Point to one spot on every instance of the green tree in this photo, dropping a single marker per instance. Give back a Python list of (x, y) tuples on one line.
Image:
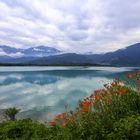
[(11, 112)]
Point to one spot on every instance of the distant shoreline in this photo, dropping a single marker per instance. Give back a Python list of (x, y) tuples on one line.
[(56, 65)]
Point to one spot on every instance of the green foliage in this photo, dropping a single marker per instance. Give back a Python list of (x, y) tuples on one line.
[(127, 128), (21, 130), (28, 130)]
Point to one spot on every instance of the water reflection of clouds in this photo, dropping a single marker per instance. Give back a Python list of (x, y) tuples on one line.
[(51, 76), (4, 78), (34, 78), (112, 69), (27, 95)]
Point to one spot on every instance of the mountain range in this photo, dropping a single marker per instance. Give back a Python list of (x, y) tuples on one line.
[(44, 55), (13, 55), (39, 51)]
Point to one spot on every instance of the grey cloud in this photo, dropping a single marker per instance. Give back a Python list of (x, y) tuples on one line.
[(72, 26)]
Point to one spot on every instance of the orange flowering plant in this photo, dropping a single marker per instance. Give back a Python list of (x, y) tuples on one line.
[(96, 115), (105, 105)]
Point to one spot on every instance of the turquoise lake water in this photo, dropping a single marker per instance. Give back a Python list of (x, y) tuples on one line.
[(43, 92)]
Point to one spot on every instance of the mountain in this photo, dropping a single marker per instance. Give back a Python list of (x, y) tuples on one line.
[(42, 55), (130, 56), (13, 55), (40, 51), (8, 50), (64, 59)]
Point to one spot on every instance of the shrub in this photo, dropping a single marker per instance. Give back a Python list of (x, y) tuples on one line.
[(11, 112), (127, 128), (22, 130)]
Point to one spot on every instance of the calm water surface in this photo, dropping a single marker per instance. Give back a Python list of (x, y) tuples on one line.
[(42, 92)]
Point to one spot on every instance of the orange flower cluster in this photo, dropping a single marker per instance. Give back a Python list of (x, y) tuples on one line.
[(122, 91), (135, 76), (85, 105), (130, 75), (97, 97), (138, 81), (99, 91), (53, 123), (60, 118)]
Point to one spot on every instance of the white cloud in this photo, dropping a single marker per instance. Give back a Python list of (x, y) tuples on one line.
[(2, 53), (18, 54), (69, 25)]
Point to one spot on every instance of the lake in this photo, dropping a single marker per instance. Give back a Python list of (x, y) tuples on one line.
[(43, 92)]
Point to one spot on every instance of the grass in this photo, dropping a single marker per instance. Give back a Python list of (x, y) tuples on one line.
[(112, 113)]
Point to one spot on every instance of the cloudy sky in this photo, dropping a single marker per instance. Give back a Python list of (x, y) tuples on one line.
[(70, 25)]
